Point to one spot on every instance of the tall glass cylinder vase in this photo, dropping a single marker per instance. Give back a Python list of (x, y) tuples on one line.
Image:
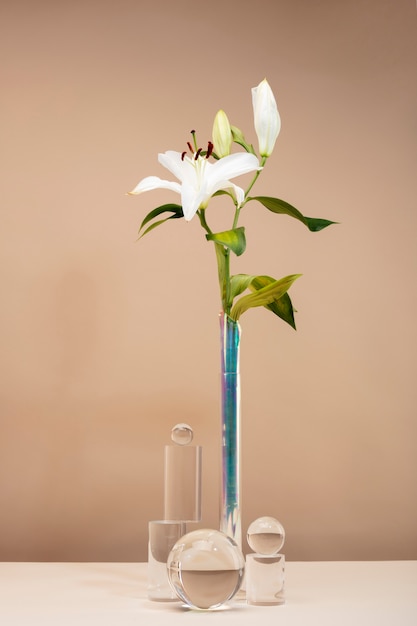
[(230, 502)]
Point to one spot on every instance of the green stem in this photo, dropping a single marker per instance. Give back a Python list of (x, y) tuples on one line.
[(237, 213), (222, 253), (227, 305), (255, 178), (202, 217)]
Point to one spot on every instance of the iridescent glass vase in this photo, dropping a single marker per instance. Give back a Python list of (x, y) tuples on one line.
[(230, 498)]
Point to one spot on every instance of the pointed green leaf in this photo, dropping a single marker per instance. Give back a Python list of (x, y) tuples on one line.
[(154, 225), (239, 283), (264, 296), (175, 209), (234, 239), (280, 206), (317, 223), (282, 307)]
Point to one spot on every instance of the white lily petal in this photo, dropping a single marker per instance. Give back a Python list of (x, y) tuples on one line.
[(191, 201), (220, 184), (173, 162), (231, 166), (154, 182), (239, 193), (192, 171)]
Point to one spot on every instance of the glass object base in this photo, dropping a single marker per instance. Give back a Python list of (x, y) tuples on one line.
[(265, 579), (162, 536)]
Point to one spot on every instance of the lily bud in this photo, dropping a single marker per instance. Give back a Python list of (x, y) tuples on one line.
[(266, 117), (222, 134)]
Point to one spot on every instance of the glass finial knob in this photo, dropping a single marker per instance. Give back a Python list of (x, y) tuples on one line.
[(182, 434)]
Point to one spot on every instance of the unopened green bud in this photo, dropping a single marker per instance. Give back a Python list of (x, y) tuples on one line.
[(238, 137)]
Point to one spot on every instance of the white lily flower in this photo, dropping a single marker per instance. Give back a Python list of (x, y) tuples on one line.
[(266, 117), (199, 178)]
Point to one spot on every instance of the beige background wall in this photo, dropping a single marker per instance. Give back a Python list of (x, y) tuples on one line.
[(107, 343)]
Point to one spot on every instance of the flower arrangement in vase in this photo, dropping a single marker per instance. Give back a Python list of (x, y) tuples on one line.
[(203, 173)]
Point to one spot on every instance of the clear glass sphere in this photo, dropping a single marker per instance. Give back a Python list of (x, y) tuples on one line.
[(266, 535), (182, 434), (205, 568)]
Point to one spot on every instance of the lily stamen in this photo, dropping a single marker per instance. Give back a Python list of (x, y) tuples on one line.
[(194, 141)]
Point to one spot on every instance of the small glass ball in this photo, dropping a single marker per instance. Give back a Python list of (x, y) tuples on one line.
[(266, 535), (205, 568), (182, 434)]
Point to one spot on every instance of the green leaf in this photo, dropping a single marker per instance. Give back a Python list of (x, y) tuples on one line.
[(239, 283), (264, 296), (175, 209), (282, 307), (280, 206), (234, 239)]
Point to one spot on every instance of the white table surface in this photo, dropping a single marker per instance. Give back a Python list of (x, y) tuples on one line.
[(102, 594)]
